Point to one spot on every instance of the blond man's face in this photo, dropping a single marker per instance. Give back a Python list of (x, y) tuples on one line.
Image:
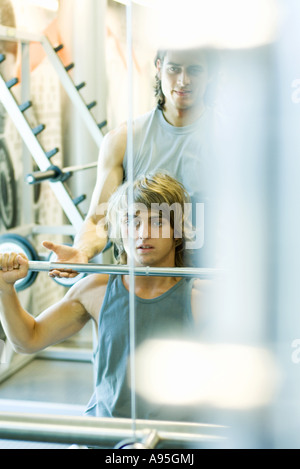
[(153, 238)]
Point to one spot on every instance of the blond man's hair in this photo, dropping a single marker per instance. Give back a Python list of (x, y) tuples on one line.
[(152, 190)]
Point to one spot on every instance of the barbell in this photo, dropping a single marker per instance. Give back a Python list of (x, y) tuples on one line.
[(11, 242), (55, 174), (46, 266)]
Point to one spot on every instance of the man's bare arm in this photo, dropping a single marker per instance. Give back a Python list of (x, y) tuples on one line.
[(92, 237), (26, 333)]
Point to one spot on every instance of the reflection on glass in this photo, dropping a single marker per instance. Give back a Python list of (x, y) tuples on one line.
[(208, 130), (198, 374), (229, 24), (198, 191), (174, 138)]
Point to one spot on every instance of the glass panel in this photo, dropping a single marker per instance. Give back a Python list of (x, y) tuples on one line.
[(202, 353), (210, 95)]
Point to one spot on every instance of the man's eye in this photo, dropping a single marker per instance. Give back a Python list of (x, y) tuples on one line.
[(195, 70), (174, 69), (157, 223), (131, 221)]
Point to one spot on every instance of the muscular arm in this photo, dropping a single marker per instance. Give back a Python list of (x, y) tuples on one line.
[(92, 237), (30, 335), (58, 322)]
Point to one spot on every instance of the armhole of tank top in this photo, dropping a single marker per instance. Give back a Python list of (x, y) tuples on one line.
[(136, 147), (105, 299), (138, 137)]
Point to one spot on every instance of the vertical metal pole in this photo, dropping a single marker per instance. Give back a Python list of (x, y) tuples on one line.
[(27, 190), (130, 205)]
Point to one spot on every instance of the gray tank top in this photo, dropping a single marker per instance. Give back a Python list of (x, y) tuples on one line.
[(167, 316), (184, 152)]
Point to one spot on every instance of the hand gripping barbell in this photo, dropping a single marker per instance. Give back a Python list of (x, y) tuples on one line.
[(11, 242), (16, 243)]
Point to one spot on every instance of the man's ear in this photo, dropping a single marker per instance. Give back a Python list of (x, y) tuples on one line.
[(158, 68)]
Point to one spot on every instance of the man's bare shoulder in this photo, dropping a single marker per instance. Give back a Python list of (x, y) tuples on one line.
[(90, 292), (119, 131), (88, 284), (115, 141)]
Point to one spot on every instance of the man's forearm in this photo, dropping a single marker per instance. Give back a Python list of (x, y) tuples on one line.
[(92, 238), (17, 323)]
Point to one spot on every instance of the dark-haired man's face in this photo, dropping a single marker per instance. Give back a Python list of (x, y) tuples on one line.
[(184, 79)]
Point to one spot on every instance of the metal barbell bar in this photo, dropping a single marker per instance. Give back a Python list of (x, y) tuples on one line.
[(97, 431), (204, 273), (55, 174)]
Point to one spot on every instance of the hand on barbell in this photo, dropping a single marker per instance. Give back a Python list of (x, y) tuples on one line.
[(65, 254), (13, 267)]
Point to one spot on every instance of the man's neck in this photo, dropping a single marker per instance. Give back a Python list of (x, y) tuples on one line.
[(182, 117), (151, 286)]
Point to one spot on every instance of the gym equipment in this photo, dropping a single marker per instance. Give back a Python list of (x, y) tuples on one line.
[(31, 141), (95, 431), (16, 111), (42, 266), (13, 35), (150, 441), (55, 174), (8, 199), (19, 244), (12, 82), (37, 189)]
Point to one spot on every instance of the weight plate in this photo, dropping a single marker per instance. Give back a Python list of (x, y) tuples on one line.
[(19, 244), (65, 282), (8, 196)]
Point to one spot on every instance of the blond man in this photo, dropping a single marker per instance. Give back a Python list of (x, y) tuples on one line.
[(165, 306)]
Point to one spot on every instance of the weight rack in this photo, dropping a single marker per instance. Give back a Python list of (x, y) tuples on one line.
[(31, 145), (29, 136)]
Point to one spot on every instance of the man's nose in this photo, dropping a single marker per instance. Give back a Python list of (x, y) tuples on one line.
[(143, 230), (183, 77)]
